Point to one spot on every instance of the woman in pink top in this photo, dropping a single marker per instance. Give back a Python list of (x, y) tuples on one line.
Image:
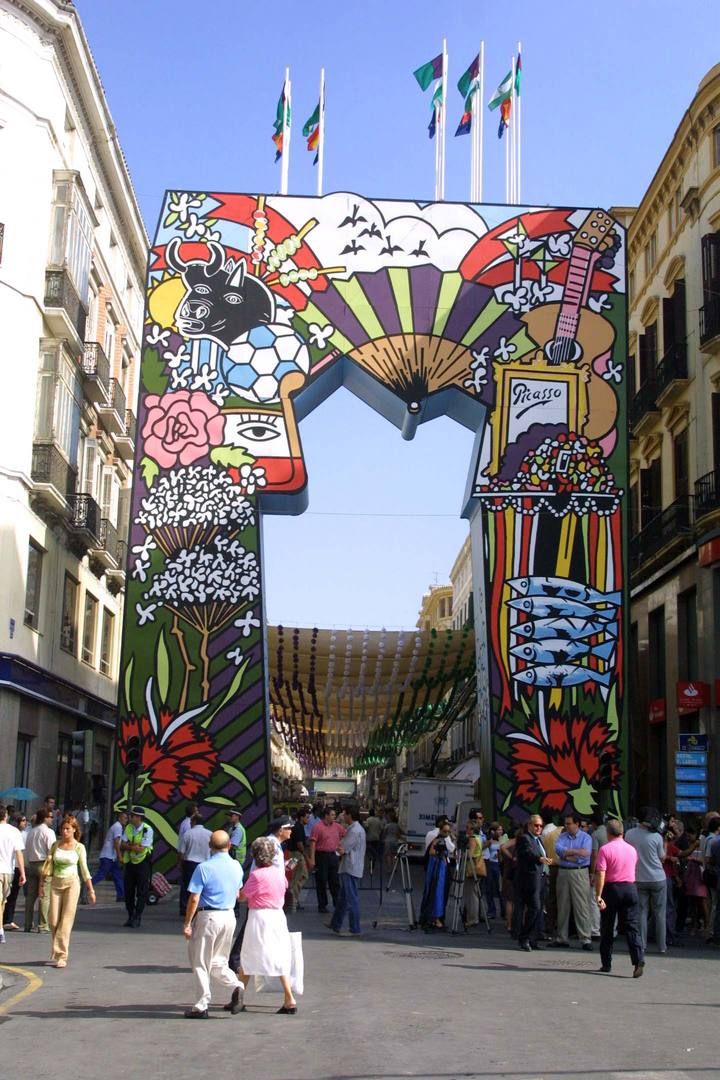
[(266, 944)]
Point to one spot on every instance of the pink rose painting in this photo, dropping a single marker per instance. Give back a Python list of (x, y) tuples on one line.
[(181, 427)]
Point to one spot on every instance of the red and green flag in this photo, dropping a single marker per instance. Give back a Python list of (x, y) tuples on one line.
[(505, 110), (311, 131), (427, 72), (503, 92)]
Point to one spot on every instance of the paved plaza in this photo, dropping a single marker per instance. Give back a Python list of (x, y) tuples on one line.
[(389, 1004)]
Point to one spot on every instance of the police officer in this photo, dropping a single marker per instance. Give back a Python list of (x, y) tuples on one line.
[(135, 850), (237, 834)]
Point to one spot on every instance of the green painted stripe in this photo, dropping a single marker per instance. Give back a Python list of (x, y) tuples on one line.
[(400, 282), (524, 343), (355, 298), (312, 314), (487, 317), (449, 288)]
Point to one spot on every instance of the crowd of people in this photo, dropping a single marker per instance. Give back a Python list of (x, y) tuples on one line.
[(549, 881)]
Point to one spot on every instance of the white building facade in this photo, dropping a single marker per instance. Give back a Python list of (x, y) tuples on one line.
[(72, 267)]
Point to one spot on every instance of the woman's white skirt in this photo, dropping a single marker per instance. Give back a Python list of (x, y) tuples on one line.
[(266, 944)]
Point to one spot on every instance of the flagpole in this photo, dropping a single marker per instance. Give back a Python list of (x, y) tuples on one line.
[(508, 197), (481, 111), (511, 135), (285, 163), (321, 134), (443, 125), (519, 129)]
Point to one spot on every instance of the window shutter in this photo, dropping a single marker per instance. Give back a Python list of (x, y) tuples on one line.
[(88, 480), (668, 315), (679, 311)]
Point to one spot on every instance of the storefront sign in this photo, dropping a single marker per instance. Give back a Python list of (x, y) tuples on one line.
[(696, 773), (657, 711), (691, 806), (692, 696), (696, 791), (692, 757), (692, 741)]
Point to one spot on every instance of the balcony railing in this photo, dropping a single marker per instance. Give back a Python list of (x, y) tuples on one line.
[(672, 367), (675, 523), (707, 493), (643, 402), (130, 425), (710, 319), (96, 368), (108, 538), (60, 293), (113, 412), (84, 514), (50, 467)]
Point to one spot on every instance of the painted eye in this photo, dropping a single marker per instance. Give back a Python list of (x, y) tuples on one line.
[(202, 290), (258, 432), (233, 298)]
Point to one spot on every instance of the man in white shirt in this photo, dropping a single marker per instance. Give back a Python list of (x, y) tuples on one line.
[(11, 855), (352, 866), (193, 848), (38, 842), (109, 865), (190, 810)]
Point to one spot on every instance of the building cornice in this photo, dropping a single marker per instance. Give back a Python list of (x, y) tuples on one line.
[(58, 22)]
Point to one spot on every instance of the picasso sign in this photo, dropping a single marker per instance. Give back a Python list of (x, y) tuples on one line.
[(509, 320)]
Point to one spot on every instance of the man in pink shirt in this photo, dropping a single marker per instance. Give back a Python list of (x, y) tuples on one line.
[(616, 895), (324, 844)]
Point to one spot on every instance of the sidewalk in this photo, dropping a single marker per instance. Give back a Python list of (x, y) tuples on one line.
[(387, 1005)]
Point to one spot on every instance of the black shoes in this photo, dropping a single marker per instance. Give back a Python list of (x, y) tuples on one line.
[(525, 946), (605, 969), (129, 921), (537, 945), (560, 945), (136, 922), (587, 947), (195, 1014), (288, 1010), (638, 970)]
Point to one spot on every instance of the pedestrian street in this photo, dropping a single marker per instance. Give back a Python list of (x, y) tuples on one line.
[(389, 1003)]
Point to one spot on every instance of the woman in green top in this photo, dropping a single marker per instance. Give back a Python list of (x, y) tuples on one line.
[(65, 865)]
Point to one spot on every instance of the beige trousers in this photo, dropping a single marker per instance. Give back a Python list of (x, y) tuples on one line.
[(32, 870), (572, 891), (300, 876), (5, 885), (209, 950), (64, 894)]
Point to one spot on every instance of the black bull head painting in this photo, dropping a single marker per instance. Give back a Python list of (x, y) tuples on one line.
[(222, 302)]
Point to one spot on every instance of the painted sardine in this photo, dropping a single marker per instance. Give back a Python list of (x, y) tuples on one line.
[(560, 651), (547, 606), (567, 629), (558, 675), (563, 587)]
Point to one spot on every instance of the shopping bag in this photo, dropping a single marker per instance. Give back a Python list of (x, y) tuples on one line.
[(297, 964)]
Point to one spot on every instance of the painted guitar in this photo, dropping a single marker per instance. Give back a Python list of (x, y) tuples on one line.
[(570, 333)]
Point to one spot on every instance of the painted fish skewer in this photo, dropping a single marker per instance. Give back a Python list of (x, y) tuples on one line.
[(560, 651), (566, 629), (559, 675), (548, 606)]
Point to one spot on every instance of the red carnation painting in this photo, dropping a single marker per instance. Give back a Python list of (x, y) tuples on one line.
[(176, 756), (562, 764)]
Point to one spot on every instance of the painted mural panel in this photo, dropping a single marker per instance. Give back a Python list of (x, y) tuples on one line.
[(511, 321)]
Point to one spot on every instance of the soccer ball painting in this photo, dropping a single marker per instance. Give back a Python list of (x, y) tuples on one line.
[(258, 360)]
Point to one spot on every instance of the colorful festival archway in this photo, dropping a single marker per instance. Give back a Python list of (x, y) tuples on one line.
[(509, 320)]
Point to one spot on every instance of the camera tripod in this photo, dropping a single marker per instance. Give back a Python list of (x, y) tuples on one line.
[(401, 860), (457, 889)]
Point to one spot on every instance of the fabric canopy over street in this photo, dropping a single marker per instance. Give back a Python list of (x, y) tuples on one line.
[(355, 698), (468, 771)]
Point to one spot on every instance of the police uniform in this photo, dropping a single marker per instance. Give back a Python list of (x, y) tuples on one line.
[(138, 868), (238, 837)]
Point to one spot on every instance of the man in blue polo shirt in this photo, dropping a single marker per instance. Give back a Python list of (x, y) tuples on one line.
[(573, 849), (210, 924)]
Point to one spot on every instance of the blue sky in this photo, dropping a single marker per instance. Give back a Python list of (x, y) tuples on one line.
[(193, 90)]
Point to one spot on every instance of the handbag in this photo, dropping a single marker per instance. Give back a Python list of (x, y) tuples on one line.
[(47, 867)]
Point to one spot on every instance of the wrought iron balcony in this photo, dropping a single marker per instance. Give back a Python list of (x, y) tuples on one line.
[(673, 368), (669, 530), (116, 573), (113, 412), (85, 518), (64, 309), (106, 551), (53, 476), (644, 402), (707, 493), (710, 320), (125, 441), (96, 372)]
